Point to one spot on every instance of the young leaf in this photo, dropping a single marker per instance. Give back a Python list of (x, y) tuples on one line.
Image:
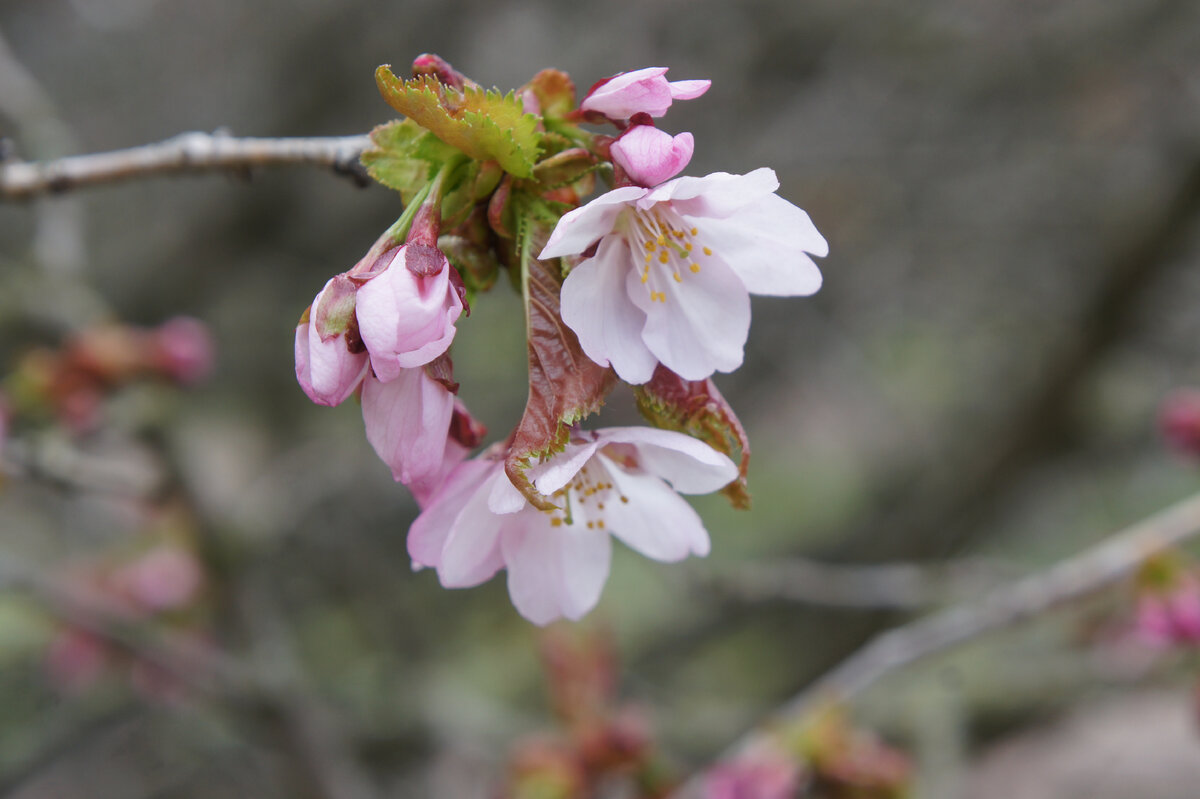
[(696, 407), (486, 125), (564, 384), (405, 156)]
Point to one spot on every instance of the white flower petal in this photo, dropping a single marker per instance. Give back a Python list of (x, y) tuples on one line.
[(690, 465), (504, 497), (580, 228), (764, 244), (655, 521), (555, 571), (716, 195), (596, 306), (472, 552), (427, 535), (696, 322), (560, 469)]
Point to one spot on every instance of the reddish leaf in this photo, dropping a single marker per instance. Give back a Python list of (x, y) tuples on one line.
[(564, 384), (696, 407)]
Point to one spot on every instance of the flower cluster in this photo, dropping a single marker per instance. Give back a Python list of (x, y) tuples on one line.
[(647, 283)]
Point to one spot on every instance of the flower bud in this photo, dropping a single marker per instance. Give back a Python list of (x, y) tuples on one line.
[(650, 156), (1179, 419), (330, 358), (182, 348), (643, 91)]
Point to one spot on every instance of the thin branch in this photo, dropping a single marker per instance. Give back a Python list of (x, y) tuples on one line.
[(902, 586), (1078, 577), (187, 153)]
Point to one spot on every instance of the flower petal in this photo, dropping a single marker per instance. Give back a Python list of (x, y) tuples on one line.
[(696, 321), (582, 227), (427, 535), (688, 464), (554, 571), (628, 93), (655, 521), (472, 552), (650, 156), (560, 469), (407, 422), (688, 89), (765, 244), (596, 305), (327, 370), (717, 195)]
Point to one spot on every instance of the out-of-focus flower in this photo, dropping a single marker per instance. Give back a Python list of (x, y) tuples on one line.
[(1179, 419), (650, 156), (331, 360), (612, 481), (76, 659), (1169, 615), (642, 91), (182, 348), (407, 308), (674, 267), (761, 775), (164, 578)]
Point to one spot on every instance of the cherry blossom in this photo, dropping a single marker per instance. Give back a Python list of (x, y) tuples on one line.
[(408, 421), (330, 358), (673, 269), (608, 482), (407, 308), (650, 156), (1170, 615), (642, 91)]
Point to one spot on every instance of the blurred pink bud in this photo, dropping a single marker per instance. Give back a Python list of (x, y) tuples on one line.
[(330, 357), (651, 156), (407, 309), (642, 91), (1170, 616), (165, 578), (182, 347), (1179, 419), (766, 775), (75, 660)]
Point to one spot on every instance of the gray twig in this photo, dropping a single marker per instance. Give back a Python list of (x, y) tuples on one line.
[(183, 154)]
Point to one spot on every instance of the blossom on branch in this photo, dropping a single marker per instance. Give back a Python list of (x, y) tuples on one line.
[(330, 357), (674, 267), (650, 156), (612, 481), (642, 91)]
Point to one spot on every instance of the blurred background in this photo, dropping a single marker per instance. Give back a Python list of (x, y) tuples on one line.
[(1010, 194)]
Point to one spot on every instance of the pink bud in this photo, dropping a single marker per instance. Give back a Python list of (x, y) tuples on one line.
[(1170, 615), (406, 311), (183, 348), (643, 91), (758, 776), (407, 421), (330, 357), (1179, 419), (75, 660), (651, 156), (165, 578)]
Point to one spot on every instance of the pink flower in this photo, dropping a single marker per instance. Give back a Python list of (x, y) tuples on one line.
[(183, 348), (165, 578), (407, 308), (768, 775), (1170, 615), (611, 481), (643, 91), (408, 421), (1179, 419), (674, 267), (651, 156), (330, 357)]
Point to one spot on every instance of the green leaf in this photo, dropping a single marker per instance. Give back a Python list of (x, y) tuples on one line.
[(564, 384), (696, 407), (486, 125), (405, 156)]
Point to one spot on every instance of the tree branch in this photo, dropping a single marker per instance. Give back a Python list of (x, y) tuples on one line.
[(1077, 577), (187, 153)]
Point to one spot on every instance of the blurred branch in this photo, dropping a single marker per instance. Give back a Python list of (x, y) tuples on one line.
[(58, 463), (887, 586), (187, 153), (1072, 579)]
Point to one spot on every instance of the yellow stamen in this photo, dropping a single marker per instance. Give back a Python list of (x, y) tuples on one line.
[(695, 267), (707, 251)]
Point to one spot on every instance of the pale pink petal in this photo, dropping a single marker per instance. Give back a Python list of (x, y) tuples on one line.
[(426, 488), (650, 156), (327, 370), (700, 320), (584, 226), (595, 304), (717, 195), (405, 320), (628, 93), (504, 497), (472, 554), (765, 244), (560, 469), (427, 535), (688, 89), (690, 465), (555, 571), (407, 422), (655, 521)]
